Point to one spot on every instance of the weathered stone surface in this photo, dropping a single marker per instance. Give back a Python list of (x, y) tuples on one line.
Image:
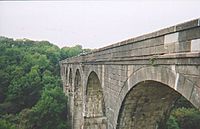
[(183, 46), (171, 38), (193, 33), (132, 84), (195, 45), (95, 123), (195, 97), (188, 25)]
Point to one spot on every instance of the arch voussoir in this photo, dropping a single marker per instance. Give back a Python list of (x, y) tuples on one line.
[(163, 76)]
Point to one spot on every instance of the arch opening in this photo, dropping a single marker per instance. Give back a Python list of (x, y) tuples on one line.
[(70, 80), (66, 74), (147, 106), (78, 101), (95, 108), (66, 79)]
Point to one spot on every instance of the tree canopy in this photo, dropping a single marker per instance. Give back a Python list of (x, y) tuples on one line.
[(30, 85)]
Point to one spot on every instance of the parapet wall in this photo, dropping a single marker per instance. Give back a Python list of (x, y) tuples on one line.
[(180, 40)]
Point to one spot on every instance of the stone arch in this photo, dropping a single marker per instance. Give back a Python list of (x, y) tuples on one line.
[(146, 106), (94, 104), (94, 97), (78, 101), (152, 89)]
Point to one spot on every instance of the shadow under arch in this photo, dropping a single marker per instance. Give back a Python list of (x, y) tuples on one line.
[(66, 86), (94, 106), (147, 97), (66, 74), (70, 78), (78, 101)]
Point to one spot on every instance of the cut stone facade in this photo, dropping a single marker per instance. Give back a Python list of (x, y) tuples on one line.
[(134, 83)]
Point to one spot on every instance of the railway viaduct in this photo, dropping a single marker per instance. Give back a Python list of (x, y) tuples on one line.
[(133, 84)]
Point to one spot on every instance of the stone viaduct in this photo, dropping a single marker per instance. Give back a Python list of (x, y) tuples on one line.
[(133, 84)]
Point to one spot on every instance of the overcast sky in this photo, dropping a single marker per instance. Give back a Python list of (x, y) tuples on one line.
[(91, 24)]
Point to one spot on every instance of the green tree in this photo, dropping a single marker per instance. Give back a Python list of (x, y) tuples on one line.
[(30, 84), (49, 113), (172, 123), (187, 118), (6, 124), (67, 52)]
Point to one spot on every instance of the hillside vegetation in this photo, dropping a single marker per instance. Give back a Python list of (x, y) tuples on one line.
[(31, 94)]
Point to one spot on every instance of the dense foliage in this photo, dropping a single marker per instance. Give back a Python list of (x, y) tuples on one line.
[(31, 96), (184, 116)]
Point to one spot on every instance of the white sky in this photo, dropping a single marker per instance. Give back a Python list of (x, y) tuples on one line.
[(91, 24)]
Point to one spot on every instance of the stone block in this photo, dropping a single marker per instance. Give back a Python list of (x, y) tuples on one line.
[(187, 69), (170, 41), (187, 25), (195, 97), (160, 49), (171, 47), (184, 87), (195, 45), (190, 34), (183, 46), (171, 38)]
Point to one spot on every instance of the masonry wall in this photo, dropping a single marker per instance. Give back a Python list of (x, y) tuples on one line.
[(171, 56)]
